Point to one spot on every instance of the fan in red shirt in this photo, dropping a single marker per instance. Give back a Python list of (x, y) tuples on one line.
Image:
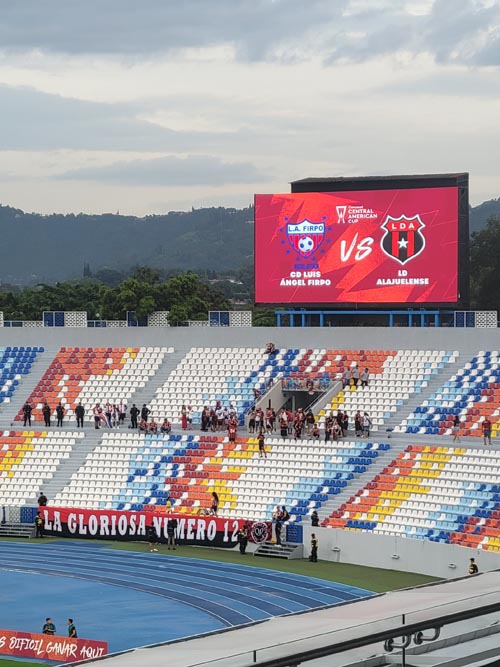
[(486, 426), (232, 429)]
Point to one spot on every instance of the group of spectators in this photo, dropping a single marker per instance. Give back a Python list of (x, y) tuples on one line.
[(218, 418), (337, 425), (153, 539), (354, 375), (286, 421), (260, 420), (47, 413), (303, 423), (145, 425), (108, 415), (105, 415), (49, 628)]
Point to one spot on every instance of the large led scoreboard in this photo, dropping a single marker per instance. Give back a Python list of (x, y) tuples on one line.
[(371, 241)]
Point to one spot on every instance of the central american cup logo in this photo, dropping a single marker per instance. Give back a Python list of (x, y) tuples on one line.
[(403, 239), (305, 237), (341, 211)]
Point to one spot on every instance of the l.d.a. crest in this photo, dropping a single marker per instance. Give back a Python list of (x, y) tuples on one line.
[(403, 239)]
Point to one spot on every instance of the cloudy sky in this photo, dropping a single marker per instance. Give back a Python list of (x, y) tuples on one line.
[(149, 107)]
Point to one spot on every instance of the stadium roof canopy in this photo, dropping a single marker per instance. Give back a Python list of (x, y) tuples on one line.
[(348, 183)]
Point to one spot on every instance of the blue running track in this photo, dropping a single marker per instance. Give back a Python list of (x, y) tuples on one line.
[(133, 599)]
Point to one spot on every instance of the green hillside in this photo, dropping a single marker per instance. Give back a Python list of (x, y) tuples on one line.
[(56, 247)]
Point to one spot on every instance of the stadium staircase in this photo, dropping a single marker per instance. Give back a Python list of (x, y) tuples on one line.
[(434, 383), (285, 551), (359, 481), (27, 384), (147, 393), (66, 468), (17, 530), (325, 398)]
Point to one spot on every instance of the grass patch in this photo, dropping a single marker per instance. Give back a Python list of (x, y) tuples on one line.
[(32, 540), (21, 663)]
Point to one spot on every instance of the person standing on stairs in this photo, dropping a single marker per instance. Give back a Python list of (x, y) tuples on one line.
[(184, 423), (46, 412), (261, 445), (486, 428), (134, 413), (456, 429), (27, 409), (59, 414), (80, 413), (355, 375), (278, 524), (122, 409)]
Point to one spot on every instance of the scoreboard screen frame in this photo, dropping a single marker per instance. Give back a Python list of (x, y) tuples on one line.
[(310, 232)]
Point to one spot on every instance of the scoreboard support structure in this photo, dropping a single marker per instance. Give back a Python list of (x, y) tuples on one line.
[(424, 317), (410, 318)]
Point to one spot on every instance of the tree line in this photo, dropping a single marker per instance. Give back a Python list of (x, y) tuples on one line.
[(485, 267), (185, 296), (109, 294)]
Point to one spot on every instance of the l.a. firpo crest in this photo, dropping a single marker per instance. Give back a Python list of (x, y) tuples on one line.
[(403, 239), (305, 237), (259, 531)]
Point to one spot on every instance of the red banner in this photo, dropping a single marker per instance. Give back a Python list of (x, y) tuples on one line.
[(373, 246), (49, 647), (120, 525)]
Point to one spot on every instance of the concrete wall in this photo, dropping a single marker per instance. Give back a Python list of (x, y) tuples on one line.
[(465, 340), (422, 556)]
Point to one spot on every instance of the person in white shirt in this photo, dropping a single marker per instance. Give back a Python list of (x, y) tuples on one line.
[(367, 422), (220, 418), (122, 408)]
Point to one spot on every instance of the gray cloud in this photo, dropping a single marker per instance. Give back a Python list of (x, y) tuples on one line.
[(453, 31), (255, 27), (456, 83), (170, 171), (489, 56), (33, 120)]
